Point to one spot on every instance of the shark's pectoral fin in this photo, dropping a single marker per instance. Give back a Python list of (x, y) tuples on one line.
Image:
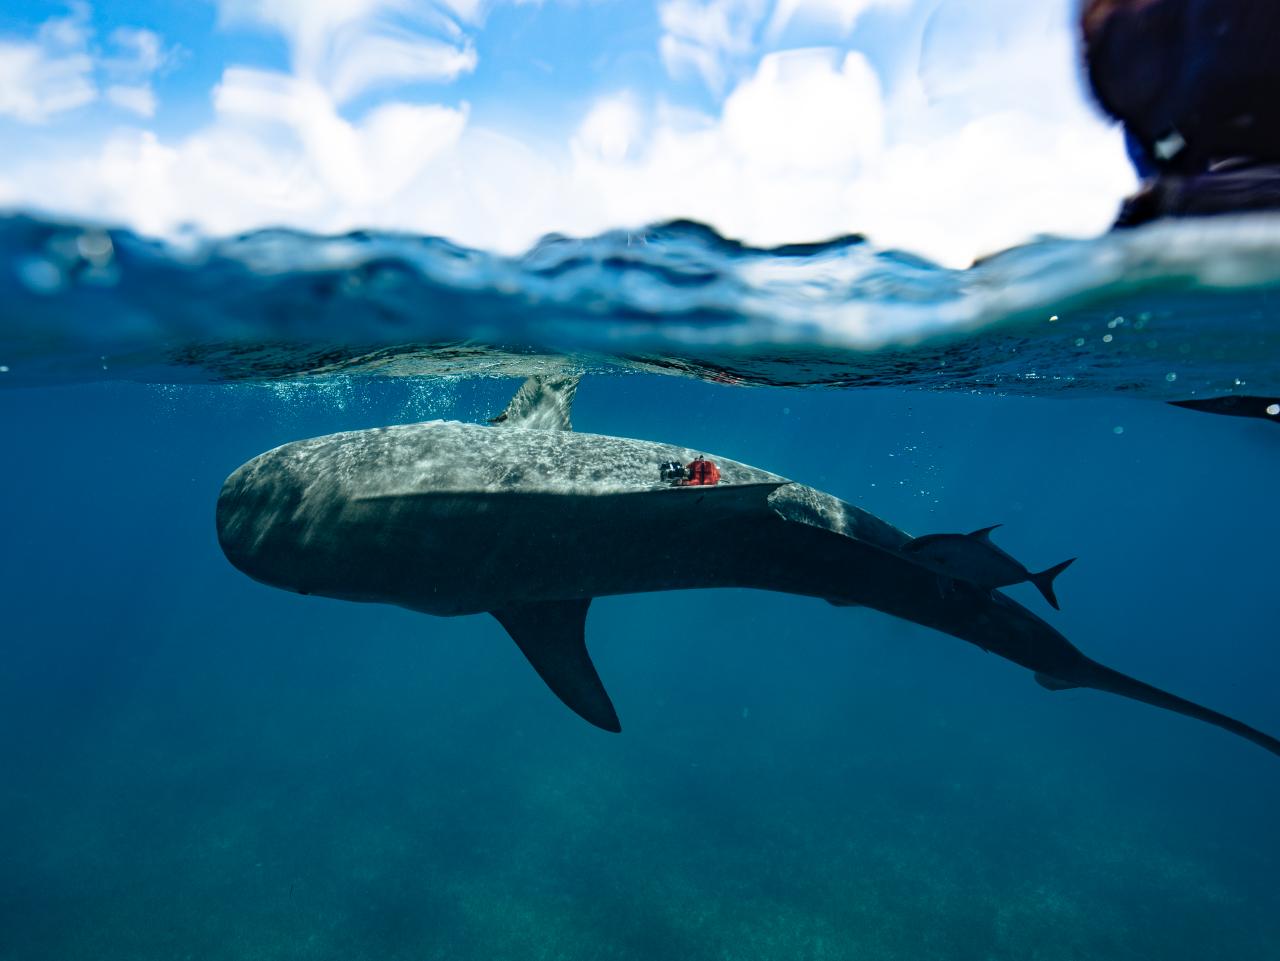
[(552, 635), (1050, 683)]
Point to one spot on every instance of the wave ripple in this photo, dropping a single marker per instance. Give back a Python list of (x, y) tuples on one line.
[(1174, 310)]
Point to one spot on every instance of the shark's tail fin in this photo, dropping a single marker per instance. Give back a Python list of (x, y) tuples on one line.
[(1105, 679), (1044, 581)]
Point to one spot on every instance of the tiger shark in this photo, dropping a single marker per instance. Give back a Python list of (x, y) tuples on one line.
[(529, 521)]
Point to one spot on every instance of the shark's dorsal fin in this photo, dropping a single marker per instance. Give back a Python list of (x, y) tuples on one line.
[(552, 635), (543, 402), (985, 533)]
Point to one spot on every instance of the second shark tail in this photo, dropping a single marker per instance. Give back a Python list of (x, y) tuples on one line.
[(1103, 678)]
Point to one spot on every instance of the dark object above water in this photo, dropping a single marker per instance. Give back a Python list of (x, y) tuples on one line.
[(1233, 405), (1236, 187), (1193, 81)]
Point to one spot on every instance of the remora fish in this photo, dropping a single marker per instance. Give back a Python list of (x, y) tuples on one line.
[(976, 559), (531, 524)]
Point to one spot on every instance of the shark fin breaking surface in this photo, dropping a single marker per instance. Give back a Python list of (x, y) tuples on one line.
[(552, 635), (543, 402)]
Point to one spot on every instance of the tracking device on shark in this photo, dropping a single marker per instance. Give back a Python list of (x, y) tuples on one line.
[(529, 521)]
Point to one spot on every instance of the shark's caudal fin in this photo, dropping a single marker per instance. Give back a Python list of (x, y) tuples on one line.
[(1044, 581), (552, 635), (1103, 678), (542, 402)]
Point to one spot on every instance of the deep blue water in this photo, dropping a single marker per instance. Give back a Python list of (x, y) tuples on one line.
[(196, 766)]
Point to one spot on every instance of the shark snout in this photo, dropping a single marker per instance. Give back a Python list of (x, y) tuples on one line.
[(253, 519)]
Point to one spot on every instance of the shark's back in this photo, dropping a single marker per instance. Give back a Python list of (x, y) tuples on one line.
[(436, 458), (444, 456)]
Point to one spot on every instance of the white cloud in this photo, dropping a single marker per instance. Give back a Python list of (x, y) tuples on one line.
[(51, 74), (349, 47), (976, 147), (805, 111), (58, 70), (718, 40), (610, 130), (841, 14), (382, 60), (770, 168), (358, 163), (138, 56), (706, 36), (139, 99), (142, 53), (70, 32), (809, 146)]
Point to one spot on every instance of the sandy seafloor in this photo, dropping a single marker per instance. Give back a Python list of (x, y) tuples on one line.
[(199, 767)]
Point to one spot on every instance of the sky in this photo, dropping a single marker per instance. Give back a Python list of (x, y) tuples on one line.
[(950, 128)]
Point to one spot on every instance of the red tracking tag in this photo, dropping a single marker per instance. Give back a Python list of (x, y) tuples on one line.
[(702, 473)]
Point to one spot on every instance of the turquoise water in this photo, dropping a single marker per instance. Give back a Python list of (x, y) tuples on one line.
[(198, 766)]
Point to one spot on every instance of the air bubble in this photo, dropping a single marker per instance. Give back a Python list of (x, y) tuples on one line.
[(95, 247), (1117, 429), (1171, 377), (1107, 338), (1273, 410), (1079, 341), (41, 276)]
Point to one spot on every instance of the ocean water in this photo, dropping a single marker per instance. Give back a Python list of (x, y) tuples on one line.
[(196, 766)]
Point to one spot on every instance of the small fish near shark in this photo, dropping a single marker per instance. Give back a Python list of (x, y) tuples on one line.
[(975, 558), (529, 521)]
